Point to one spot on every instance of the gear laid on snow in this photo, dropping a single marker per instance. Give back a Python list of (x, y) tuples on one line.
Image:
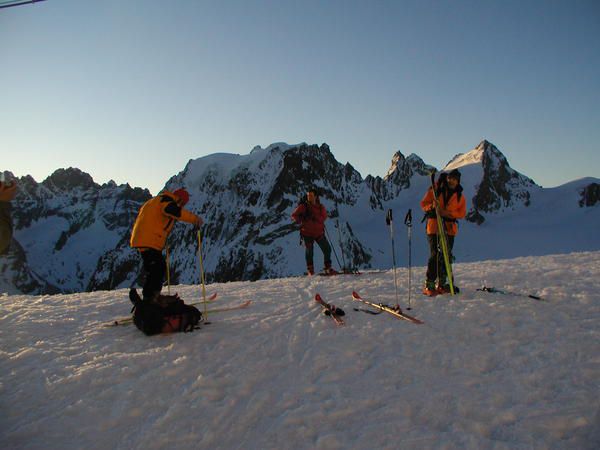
[(165, 314)]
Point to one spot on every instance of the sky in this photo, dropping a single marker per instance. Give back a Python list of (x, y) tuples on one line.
[(130, 90)]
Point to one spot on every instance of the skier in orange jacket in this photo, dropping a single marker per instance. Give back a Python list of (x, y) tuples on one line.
[(452, 207), (154, 222)]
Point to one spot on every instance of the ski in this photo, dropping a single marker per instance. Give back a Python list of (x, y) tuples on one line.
[(230, 308), (128, 320), (209, 299), (325, 274), (331, 310), (493, 290), (394, 311), (442, 236)]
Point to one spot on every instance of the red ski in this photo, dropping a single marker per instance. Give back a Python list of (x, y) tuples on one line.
[(394, 311), (330, 310)]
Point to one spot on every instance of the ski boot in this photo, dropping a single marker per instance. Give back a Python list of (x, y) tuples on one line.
[(329, 271), (429, 289), (444, 288), (310, 270)]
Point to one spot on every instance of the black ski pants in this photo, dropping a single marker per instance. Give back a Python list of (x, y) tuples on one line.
[(435, 266), (155, 269), (323, 244)]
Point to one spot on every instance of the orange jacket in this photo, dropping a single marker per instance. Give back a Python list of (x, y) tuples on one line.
[(452, 209), (7, 191), (155, 221)]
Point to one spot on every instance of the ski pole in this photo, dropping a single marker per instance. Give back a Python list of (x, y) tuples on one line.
[(441, 231), (168, 273), (341, 247), (331, 245), (390, 223), (408, 223), (337, 221), (202, 275)]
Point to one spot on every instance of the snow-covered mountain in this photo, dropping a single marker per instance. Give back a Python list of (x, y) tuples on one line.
[(72, 234), (490, 183)]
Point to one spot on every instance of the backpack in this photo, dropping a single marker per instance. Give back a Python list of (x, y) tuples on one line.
[(169, 315)]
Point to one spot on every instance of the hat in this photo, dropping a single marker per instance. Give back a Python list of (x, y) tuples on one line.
[(183, 195), (454, 174)]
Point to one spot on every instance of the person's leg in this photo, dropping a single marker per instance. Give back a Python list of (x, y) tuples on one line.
[(155, 268), (326, 249), (432, 263), (442, 264), (309, 254)]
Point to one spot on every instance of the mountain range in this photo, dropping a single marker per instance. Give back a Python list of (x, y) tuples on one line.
[(72, 234)]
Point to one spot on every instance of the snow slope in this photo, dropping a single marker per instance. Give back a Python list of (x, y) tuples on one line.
[(485, 371)]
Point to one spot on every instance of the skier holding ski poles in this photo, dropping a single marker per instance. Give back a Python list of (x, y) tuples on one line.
[(311, 215), (154, 223), (452, 206)]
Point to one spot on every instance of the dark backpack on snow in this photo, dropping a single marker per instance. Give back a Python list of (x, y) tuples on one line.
[(169, 317)]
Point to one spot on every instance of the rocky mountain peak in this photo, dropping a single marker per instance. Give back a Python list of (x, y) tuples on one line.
[(499, 186), (69, 179)]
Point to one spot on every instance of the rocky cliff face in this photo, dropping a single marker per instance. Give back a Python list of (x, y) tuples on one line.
[(398, 177), (71, 234), (247, 201), (499, 186), (590, 195)]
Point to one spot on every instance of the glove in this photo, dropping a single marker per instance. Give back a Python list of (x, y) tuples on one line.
[(198, 222), (430, 214)]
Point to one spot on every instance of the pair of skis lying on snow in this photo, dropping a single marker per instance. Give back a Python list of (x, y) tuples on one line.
[(335, 313), (209, 300)]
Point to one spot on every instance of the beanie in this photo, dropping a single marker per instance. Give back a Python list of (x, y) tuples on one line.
[(454, 174), (183, 195)]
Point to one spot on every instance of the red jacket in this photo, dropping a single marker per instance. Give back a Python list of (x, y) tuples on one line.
[(312, 218)]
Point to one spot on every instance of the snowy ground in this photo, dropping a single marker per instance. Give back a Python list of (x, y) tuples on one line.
[(485, 371)]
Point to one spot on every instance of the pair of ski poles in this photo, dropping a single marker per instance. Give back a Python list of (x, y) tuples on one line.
[(202, 279), (408, 222)]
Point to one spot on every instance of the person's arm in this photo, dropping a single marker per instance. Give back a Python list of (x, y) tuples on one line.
[(298, 214), (173, 210), (7, 191)]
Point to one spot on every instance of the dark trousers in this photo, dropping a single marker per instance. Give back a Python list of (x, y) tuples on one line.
[(155, 268), (323, 243), (6, 230), (435, 266)]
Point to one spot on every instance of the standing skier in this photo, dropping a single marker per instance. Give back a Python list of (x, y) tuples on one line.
[(150, 231), (452, 206), (7, 193), (311, 215)]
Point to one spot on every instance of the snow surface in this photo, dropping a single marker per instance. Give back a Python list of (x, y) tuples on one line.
[(485, 371)]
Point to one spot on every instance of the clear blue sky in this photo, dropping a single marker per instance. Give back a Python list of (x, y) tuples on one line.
[(130, 90)]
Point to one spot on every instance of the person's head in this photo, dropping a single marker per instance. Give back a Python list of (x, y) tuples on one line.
[(182, 196), (454, 179), (311, 197)]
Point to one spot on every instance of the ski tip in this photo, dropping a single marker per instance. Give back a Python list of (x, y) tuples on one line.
[(213, 296), (318, 297), (355, 294)]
